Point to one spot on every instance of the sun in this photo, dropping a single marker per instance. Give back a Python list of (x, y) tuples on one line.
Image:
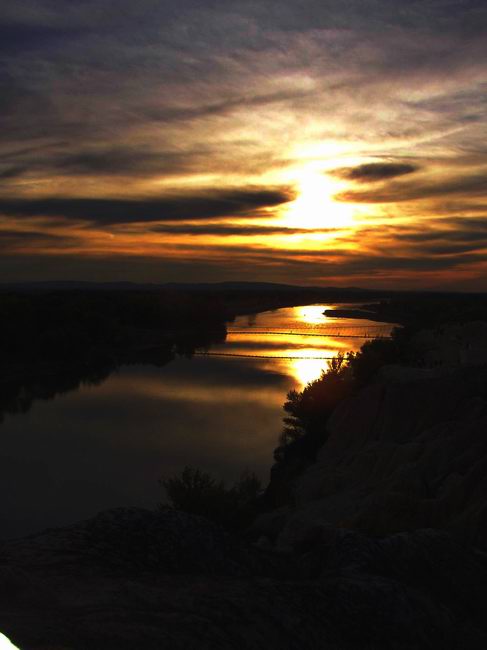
[(314, 208)]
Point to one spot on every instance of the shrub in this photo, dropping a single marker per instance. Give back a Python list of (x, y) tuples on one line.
[(309, 409), (198, 493)]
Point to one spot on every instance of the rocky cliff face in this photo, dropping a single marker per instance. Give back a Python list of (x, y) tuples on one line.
[(409, 451)]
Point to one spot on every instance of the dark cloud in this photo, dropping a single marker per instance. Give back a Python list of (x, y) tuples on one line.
[(467, 224), (25, 38), (356, 264), (137, 162), (11, 172), (450, 230), (175, 208), (460, 235), (474, 185), (372, 172), (227, 230), (219, 108), (114, 161), (454, 249), (11, 239), (370, 264)]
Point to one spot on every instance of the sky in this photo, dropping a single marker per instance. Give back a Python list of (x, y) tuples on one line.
[(317, 142)]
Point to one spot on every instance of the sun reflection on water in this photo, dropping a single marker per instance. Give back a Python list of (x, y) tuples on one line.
[(306, 370), (298, 342)]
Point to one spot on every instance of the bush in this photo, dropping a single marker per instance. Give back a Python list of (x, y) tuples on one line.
[(309, 409), (196, 492), (380, 352)]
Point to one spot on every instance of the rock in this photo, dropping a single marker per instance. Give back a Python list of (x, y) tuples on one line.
[(402, 454), (337, 589), (269, 524), (127, 540)]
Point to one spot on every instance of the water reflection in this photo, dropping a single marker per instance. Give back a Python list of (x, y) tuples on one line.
[(311, 314), (106, 444), (305, 370), (299, 341)]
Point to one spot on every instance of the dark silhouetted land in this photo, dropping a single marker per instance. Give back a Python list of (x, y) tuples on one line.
[(372, 532)]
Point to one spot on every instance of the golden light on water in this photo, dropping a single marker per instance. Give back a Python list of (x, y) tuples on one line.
[(298, 342), (306, 370), (311, 314)]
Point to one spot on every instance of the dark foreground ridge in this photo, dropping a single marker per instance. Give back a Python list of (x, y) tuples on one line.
[(136, 579)]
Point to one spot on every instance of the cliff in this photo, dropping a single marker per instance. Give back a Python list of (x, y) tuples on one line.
[(408, 451)]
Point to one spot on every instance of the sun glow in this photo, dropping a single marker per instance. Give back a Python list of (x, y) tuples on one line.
[(314, 207)]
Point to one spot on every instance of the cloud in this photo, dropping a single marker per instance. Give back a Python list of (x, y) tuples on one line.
[(97, 96), (118, 160), (31, 239), (454, 249), (229, 230), (11, 172), (453, 230), (372, 172), (243, 202), (219, 108), (239, 264), (447, 237), (395, 192)]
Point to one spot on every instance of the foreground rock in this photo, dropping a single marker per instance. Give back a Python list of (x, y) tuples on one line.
[(138, 580)]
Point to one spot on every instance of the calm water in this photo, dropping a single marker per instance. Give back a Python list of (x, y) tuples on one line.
[(108, 445)]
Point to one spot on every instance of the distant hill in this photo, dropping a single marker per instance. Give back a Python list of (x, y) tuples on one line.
[(70, 285), (325, 292), (255, 286), (74, 285)]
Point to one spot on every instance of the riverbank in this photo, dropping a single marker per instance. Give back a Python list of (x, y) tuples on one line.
[(365, 314)]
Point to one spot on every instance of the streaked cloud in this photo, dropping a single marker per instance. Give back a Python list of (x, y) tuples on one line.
[(171, 208), (372, 172), (395, 192)]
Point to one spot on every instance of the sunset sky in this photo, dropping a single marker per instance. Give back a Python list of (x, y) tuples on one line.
[(324, 142)]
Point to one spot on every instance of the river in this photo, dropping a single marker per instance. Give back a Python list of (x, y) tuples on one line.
[(107, 445)]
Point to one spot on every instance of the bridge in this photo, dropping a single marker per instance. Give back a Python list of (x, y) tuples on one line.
[(256, 356), (263, 332)]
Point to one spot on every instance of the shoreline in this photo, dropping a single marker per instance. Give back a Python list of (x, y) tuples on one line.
[(360, 314)]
